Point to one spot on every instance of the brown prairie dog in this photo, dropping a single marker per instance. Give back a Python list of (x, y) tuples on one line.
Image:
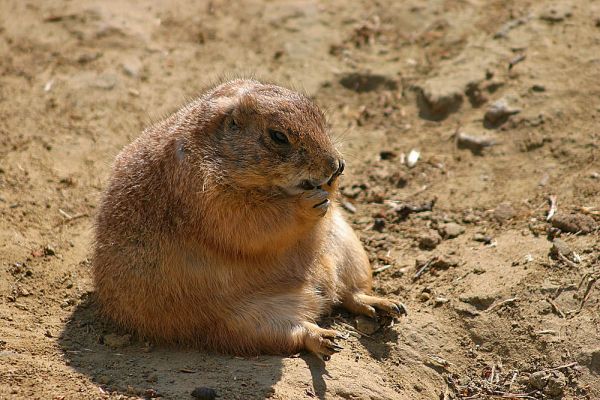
[(219, 228)]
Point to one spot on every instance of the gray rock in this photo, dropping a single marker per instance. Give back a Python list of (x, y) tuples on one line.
[(451, 230), (429, 240), (366, 325), (560, 247), (556, 384), (574, 223), (504, 212), (538, 380), (499, 111), (480, 301), (204, 393), (132, 67), (556, 13), (104, 81), (437, 99)]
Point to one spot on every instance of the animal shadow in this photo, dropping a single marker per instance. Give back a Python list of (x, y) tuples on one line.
[(121, 364)]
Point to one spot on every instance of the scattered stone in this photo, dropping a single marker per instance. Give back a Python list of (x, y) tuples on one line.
[(590, 358), (132, 67), (387, 155), (412, 158), (151, 394), (367, 82), (117, 341), (378, 224), (104, 81), (556, 13), (424, 296), (556, 384), (479, 237), (366, 325), (471, 218), (440, 301), (474, 143), (560, 247), (538, 380), (451, 230), (479, 301), (404, 210), (429, 240), (353, 191), (49, 251), (437, 99), (574, 223), (88, 57), (465, 309), (538, 88), (504, 212), (499, 111), (204, 393)]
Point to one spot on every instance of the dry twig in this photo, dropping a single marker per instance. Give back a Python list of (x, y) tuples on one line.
[(553, 200)]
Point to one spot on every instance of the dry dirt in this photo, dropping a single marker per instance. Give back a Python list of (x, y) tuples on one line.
[(491, 313)]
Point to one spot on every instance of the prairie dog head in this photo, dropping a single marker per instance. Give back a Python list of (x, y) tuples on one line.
[(268, 137)]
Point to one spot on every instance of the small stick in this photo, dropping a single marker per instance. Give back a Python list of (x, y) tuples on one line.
[(590, 285), (516, 60), (500, 304), (69, 218), (569, 365), (353, 329), (555, 308), (566, 260), (491, 379), (425, 267), (546, 332), (381, 269), (553, 206), (65, 214), (512, 380)]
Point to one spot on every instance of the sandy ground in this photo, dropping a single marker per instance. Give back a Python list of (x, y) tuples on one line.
[(501, 98)]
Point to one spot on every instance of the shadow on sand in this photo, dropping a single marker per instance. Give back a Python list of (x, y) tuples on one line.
[(133, 368)]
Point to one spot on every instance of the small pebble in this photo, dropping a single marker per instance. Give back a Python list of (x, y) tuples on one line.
[(429, 240), (412, 158), (378, 224), (204, 393), (478, 237), (574, 223), (451, 230), (366, 325), (49, 251), (556, 384), (538, 88), (499, 111), (560, 247), (538, 380), (387, 155)]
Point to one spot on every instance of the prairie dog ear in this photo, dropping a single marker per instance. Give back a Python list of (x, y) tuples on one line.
[(236, 109)]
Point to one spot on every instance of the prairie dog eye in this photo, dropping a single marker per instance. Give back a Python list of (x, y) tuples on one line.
[(278, 137), (233, 125)]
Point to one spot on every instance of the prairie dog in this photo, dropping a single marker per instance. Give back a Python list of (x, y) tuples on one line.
[(219, 228)]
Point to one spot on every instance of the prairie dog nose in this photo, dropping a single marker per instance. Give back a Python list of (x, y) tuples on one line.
[(309, 184), (338, 172)]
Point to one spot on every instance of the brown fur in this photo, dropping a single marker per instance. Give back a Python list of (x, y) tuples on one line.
[(204, 235)]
